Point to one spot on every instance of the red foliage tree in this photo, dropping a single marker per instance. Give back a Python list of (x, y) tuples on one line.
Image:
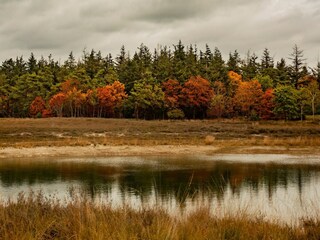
[(196, 94), (46, 113), (37, 106), (172, 90), (105, 100), (267, 105), (57, 102)]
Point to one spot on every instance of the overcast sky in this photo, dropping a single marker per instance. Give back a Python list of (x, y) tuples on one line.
[(61, 26)]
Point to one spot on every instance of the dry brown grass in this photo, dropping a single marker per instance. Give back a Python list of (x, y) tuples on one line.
[(87, 131), (36, 217)]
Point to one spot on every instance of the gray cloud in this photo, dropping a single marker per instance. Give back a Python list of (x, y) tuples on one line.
[(61, 26), (166, 11)]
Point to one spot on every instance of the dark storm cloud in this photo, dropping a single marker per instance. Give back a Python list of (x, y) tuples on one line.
[(59, 26)]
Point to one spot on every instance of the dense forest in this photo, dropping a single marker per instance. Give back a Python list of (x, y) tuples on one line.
[(175, 83)]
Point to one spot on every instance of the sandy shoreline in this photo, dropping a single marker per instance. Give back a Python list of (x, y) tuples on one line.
[(99, 150), (129, 150)]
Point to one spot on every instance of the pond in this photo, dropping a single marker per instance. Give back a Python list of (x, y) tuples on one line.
[(285, 188)]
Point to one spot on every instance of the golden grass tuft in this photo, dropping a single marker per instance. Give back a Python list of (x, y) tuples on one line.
[(209, 140)]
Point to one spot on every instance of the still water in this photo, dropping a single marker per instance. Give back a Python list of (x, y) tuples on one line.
[(278, 187)]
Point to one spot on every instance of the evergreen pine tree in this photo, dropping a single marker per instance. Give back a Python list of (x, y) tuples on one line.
[(297, 65), (234, 62)]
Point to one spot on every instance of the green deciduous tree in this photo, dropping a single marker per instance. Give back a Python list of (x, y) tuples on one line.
[(265, 81), (146, 98), (286, 103), (313, 92)]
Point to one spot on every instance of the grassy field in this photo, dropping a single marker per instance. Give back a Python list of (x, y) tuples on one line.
[(87, 131), (36, 217)]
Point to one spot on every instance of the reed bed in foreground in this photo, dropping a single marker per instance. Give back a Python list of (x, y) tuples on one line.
[(37, 217)]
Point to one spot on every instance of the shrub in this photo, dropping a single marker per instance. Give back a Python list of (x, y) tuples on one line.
[(175, 114), (254, 116)]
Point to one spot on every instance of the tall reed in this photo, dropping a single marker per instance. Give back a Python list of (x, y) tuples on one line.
[(38, 217)]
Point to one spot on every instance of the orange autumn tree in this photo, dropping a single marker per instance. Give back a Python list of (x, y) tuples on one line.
[(74, 98), (247, 99), (37, 106), (69, 85), (78, 101), (196, 96), (110, 98), (105, 100), (67, 102), (119, 94), (234, 81), (234, 76)]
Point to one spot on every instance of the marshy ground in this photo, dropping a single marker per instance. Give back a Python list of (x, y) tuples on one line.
[(130, 136)]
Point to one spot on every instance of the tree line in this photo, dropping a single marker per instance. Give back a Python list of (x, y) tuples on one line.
[(178, 82)]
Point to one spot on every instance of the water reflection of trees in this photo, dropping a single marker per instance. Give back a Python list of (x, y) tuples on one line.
[(179, 183)]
